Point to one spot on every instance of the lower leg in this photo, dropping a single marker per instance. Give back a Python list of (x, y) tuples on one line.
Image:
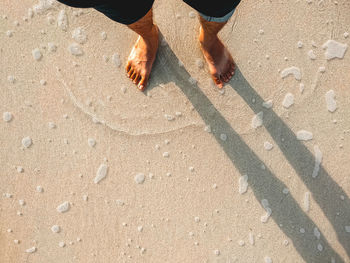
[(219, 59), (143, 54)]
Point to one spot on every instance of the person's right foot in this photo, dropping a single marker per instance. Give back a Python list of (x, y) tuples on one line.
[(141, 59)]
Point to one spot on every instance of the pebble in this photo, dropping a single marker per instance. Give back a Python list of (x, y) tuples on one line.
[(103, 35), (192, 80), (75, 49), (9, 230), (166, 154), (43, 82), (52, 47), (19, 169), (300, 44), (116, 60), (346, 34), (261, 31), (330, 101), (347, 229), (304, 135), (9, 33), (285, 242), (266, 206), (16, 241), (36, 54), (101, 173), (21, 202), (31, 250), (64, 207), (317, 233), (79, 35), (285, 191), (139, 178), (288, 100), (319, 247), (91, 142), (192, 14), (199, 63), (243, 184), (216, 252), (268, 146), (223, 136), (61, 244), (267, 259), (52, 125), (207, 128), (140, 228), (191, 168), (241, 243), (85, 198), (62, 20), (27, 142), (55, 229), (334, 49), (302, 230), (251, 238), (295, 71), (318, 160), (311, 54), (169, 117), (301, 87), (19, 213), (11, 79), (196, 219), (322, 69), (257, 120), (267, 104), (7, 116)]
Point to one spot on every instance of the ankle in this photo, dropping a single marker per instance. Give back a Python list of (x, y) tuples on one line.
[(206, 39)]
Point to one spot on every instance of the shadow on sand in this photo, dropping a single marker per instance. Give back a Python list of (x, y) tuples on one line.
[(285, 210)]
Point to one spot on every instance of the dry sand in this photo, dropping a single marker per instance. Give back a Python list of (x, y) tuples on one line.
[(94, 170)]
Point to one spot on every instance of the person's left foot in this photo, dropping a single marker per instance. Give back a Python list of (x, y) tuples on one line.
[(220, 62)]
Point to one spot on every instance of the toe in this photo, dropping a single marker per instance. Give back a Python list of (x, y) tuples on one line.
[(128, 66), (133, 75), (143, 83), (137, 78), (130, 72), (217, 81), (223, 77)]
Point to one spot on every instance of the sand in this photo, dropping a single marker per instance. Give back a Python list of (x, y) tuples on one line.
[(64, 89)]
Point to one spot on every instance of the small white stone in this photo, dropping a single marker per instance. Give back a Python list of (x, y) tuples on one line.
[(322, 69), (330, 101), (39, 189), (261, 31), (192, 14), (300, 44), (285, 242), (191, 168), (347, 229), (103, 35), (217, 252), (207, 128), (346, 34), (79, 35), (9, 33), (21, 202), (52, 47), (166, 154), (241, 243), (116, 60), (317, 233), (267, 259), (223, 136), (196, 219), (139, 178), (16, 241), (52, 125), (9, 230), (101, 173), (64, 207), (334, 49), (36, 54), (192, 80), (243, 184), (62, 20), (75, 49), (257, 120), (31, 250), (43, 82), (288, 100), (140, 228), (27, 142), (304, 135), (91, 142), (61, 244), (7, 116), (301, 87), (311, 54), (319, 247), (268, 146), (267, 104), (55, 229), (19, 169), (169, 117), (11, 79), (199, 63), (302, 230)]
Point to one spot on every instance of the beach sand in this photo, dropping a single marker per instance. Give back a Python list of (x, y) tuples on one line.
[(93, 170)]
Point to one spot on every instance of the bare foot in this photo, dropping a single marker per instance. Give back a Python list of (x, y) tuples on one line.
[(141, 59), (219, 59)]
